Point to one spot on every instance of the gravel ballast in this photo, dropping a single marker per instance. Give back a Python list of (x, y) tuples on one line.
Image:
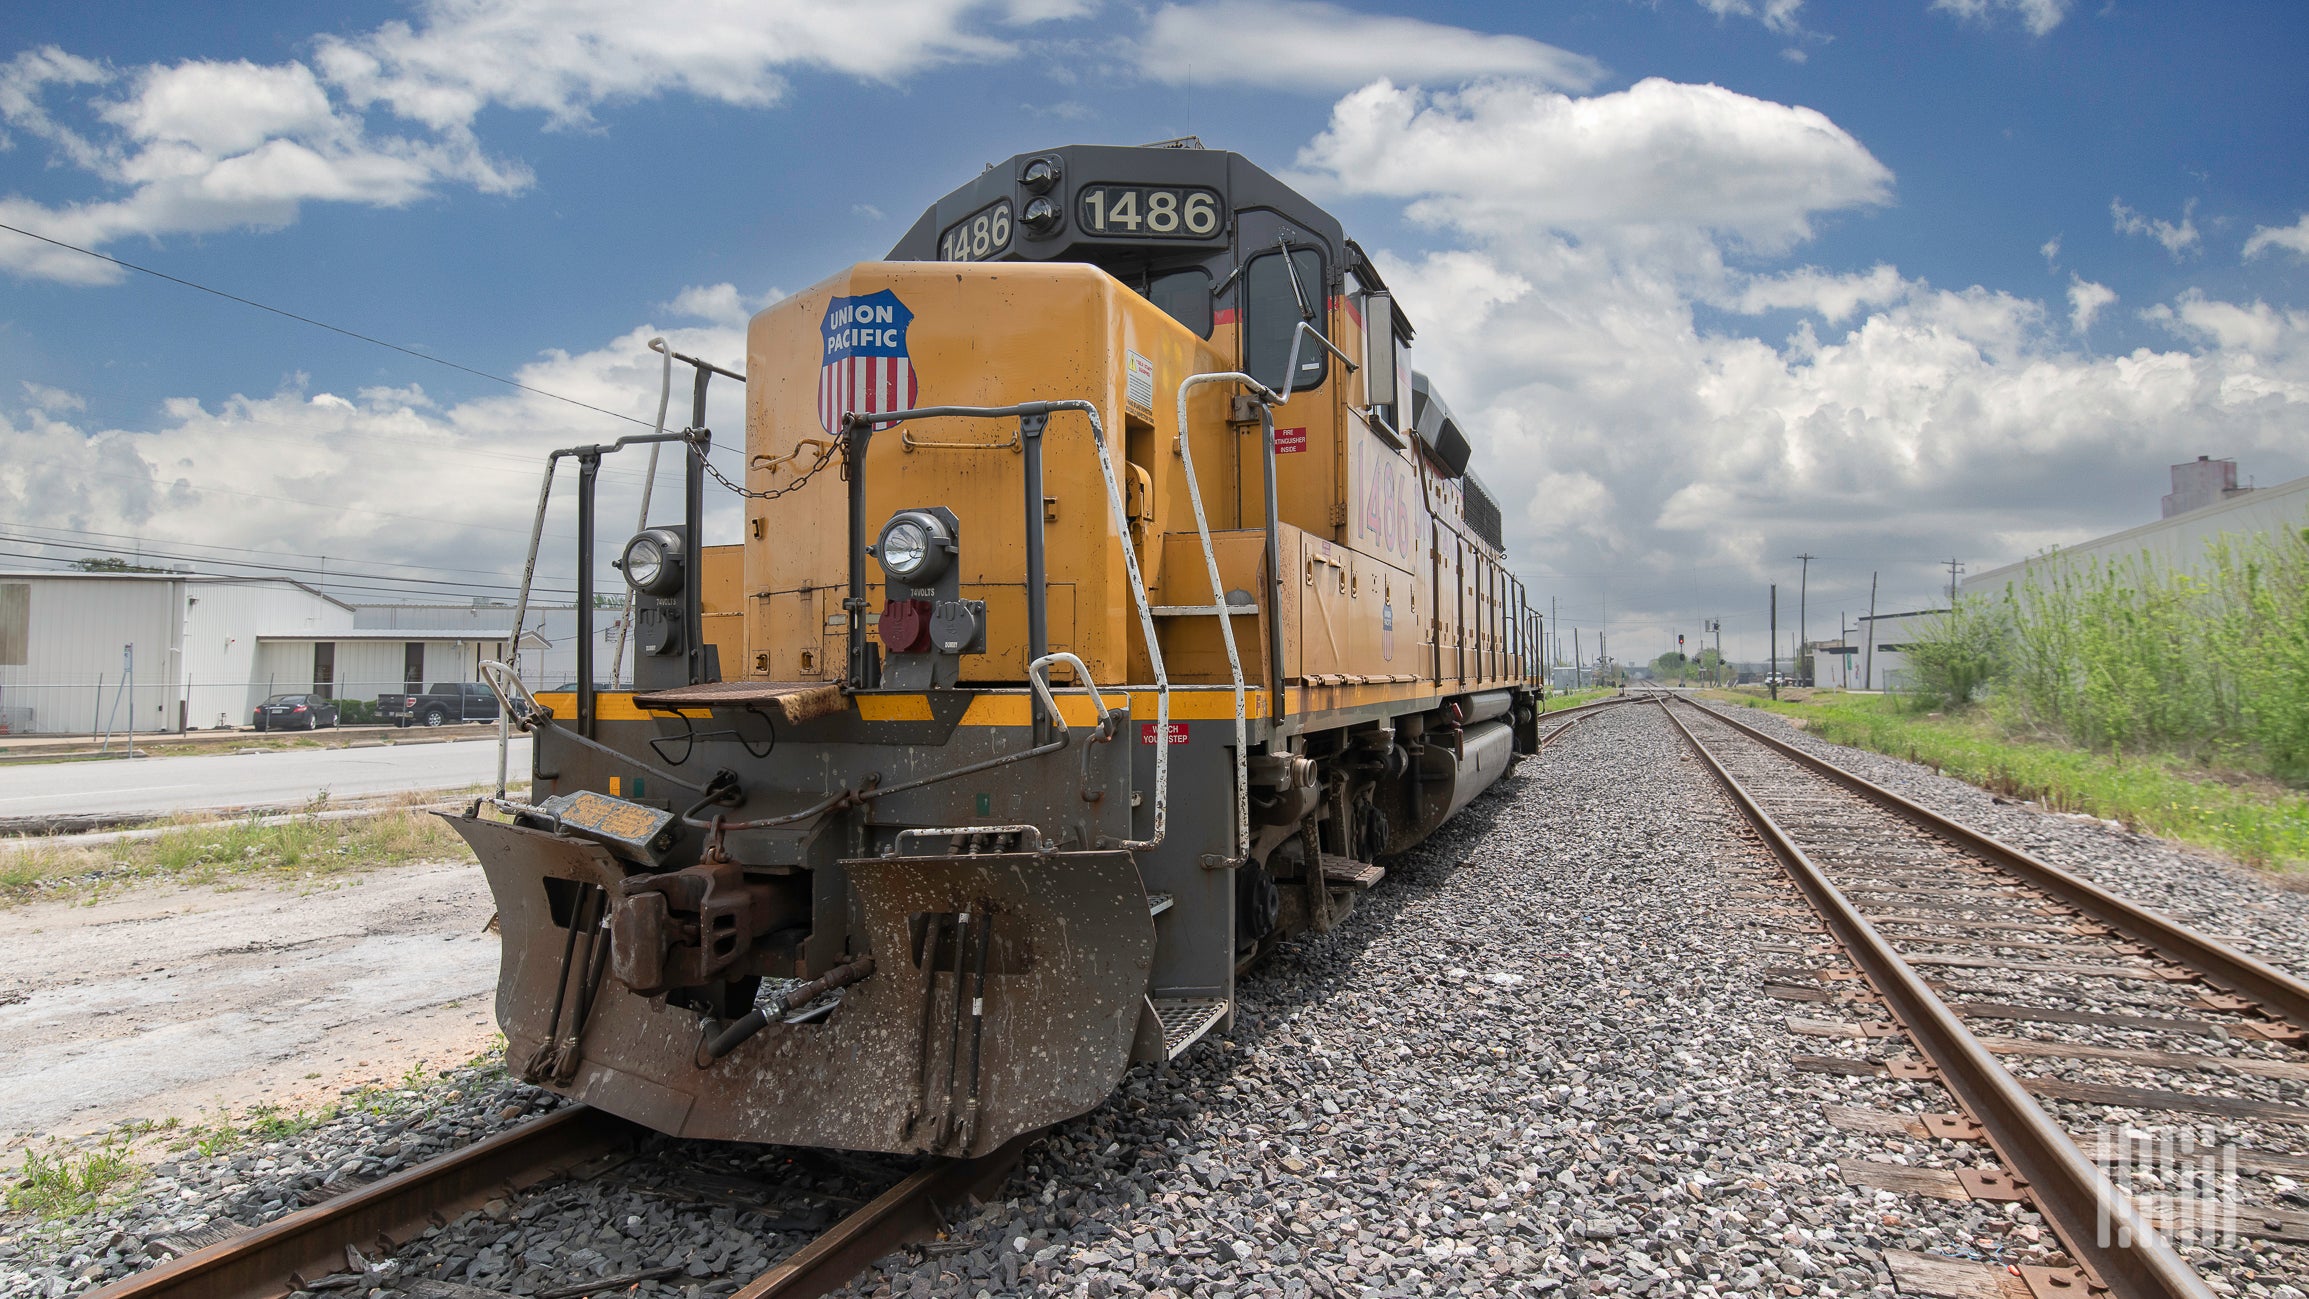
[(1538, 1059)]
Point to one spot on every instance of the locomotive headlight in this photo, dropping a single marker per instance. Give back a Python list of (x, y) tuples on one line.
[(1040, 217), (1040, 175), (652, 562), (914, 548)]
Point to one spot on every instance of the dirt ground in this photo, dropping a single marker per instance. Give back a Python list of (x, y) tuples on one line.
[(185, 1002)]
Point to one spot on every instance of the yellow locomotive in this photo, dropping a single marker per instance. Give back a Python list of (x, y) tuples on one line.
[(1113, 601)]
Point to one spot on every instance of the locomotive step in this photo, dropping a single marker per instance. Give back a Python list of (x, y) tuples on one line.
[(1351, 873), (1186, 1019), (1157, 903)]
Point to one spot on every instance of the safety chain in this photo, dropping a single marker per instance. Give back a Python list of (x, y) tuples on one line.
[(826, 457)]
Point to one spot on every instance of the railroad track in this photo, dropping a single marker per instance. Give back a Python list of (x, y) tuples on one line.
[(2095, 1003), (1577, 714), (344, 1244)]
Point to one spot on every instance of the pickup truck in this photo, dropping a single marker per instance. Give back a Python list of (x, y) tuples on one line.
[(445, 702)]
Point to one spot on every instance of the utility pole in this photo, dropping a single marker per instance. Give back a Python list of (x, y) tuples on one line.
[(1716, 625), (1868, 672), (1953, 569), (1772, 680), (1556, 644), (1576, 659), (1803, 590)]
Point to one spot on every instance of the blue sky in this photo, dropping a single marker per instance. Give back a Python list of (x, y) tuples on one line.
[(1717, 282)]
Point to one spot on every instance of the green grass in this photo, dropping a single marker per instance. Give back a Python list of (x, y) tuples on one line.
[(1574, 698), (63, 1183), (212, 852), (2244, 816)]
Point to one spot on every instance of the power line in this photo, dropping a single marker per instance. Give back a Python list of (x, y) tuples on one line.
[(321, 324), (353, 581), (250, 550)]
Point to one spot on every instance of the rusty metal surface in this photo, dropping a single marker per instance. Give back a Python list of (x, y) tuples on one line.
[(913, 1210), (2131, 1257), (312, 1241), (1057, 1006), (2277, 991)]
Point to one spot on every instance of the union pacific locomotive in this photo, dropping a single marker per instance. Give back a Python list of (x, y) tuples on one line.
[(1115, 601)]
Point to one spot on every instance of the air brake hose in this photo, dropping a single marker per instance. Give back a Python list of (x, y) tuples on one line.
[(730, 1039)]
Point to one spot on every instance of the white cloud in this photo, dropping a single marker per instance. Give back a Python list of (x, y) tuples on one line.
[(2177, 239), (2039, 16), (1775, 15), (178, 479), (2050, 250), (199, 146), (719, 304), (53, 400), (2257, 328), (1670, 461), (2085, 300), (2293, 238), (564, 58), (202, 146), (1303, 45), (1660, 159), (1833, 297)]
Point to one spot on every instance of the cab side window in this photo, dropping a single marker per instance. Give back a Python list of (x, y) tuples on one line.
[(1273, 306), (1184, 296)]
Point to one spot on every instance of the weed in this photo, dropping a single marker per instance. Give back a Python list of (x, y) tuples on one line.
[(64, 1183), (2251, 819), (208, 851)]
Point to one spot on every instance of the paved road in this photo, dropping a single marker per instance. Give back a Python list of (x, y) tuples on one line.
[(289, 777)]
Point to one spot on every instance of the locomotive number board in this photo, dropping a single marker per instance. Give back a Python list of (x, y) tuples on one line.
[(983, 234), (1150, 211)]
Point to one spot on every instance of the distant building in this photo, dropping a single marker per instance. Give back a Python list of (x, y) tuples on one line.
[(548, 655), (1884, 641), (84, 653), (2213, 507), (1835, 664), (2201, 482)]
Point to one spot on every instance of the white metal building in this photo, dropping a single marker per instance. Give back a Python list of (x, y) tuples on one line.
[(1883, 642), (2175, 542), (85, 653)]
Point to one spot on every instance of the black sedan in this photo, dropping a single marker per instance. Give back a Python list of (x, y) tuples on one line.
[(295, 713)]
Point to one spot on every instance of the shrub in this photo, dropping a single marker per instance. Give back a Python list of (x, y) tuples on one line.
[(1960, 652)]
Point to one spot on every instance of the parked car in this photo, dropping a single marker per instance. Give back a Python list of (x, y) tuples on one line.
[(439, 705), (295, 713)]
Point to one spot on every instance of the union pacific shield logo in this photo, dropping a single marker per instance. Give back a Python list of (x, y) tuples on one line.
[(866, 369)]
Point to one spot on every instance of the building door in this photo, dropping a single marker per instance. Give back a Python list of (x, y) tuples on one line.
[(413, 665), (325, 669)]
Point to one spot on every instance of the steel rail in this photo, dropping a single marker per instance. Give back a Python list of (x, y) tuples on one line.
[(1588, 707), (311, 1242), (2100, 1225), (914, 1209), (2279, 993), (1558, 733)]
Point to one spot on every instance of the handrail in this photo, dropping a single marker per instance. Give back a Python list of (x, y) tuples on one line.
[(1219, 608), (858, 427), (1291, 367)]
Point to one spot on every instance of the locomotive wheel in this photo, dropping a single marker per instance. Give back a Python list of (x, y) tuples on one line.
[(1257, 901)]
